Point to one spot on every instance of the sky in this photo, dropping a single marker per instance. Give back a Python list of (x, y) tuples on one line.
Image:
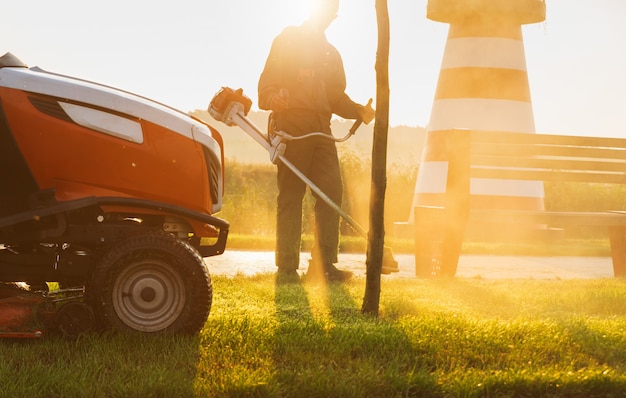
[(182, 52)]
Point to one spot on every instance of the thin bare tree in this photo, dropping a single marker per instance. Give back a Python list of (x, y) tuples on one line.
[(376, 235)]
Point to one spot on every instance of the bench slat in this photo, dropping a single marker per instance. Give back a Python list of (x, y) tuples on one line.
[(548, 175), (547, 163), (550, 218), (552, 151), (546, 139)]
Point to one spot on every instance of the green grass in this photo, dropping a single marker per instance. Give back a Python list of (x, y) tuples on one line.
[(434, 338), (355, 244)]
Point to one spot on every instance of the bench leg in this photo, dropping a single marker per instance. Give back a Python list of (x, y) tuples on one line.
[(438, 241), (617, 235)]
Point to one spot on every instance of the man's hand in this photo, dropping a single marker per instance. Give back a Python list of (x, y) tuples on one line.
[(367, 113)]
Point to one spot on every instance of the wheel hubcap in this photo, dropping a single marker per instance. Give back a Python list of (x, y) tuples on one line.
[(148, 295)]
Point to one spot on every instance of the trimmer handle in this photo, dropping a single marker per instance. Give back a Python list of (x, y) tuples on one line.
[(355, 126)]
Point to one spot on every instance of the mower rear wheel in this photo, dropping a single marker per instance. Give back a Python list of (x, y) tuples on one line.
[(152, 283)]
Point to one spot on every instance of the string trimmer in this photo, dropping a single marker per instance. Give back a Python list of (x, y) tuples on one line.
[(231, 107)]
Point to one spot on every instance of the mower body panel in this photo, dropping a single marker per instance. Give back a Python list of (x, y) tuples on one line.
[(83, 166), (85, 139)]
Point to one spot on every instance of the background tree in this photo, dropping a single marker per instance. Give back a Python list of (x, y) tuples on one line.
[(376, 235)]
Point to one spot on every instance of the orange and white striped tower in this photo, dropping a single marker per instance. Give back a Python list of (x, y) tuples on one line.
[(483, 85)]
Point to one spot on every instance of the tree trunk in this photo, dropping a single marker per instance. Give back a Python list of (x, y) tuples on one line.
[(376, 235)]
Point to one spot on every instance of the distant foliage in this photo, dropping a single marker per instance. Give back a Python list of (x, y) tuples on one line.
[(571, 196), (250, 196)]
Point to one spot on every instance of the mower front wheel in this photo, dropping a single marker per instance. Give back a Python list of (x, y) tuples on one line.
[(152, 283)]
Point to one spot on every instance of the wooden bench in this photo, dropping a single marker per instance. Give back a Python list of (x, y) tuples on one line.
[(440, 230)]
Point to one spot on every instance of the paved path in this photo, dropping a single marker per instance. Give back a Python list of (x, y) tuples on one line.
[(235, 262)]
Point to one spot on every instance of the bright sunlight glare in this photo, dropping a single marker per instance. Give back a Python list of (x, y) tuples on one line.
[(294, 12)]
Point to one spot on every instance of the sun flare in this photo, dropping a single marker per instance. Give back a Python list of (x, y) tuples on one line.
[(294, 11)]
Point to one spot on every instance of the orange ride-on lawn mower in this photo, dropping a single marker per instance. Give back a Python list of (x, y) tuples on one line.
[(110, 196)]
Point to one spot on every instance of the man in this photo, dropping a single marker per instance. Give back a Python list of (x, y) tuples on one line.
[(303, 84)]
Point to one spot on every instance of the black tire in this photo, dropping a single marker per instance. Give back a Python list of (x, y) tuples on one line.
[(152, 283)]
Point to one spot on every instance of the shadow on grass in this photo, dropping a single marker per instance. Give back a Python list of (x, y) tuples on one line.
[(324, 346)]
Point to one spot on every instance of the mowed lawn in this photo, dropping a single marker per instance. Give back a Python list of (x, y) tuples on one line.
[(434, 338)]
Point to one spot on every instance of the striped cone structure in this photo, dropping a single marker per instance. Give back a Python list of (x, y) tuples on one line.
[(483, 85)]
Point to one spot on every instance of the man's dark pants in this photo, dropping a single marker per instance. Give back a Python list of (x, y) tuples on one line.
[(315, 157)]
